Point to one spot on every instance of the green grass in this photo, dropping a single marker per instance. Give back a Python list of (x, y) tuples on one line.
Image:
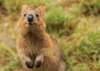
[(78, 32), (9, 59)]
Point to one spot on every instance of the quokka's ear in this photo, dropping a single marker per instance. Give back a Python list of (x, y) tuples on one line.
[(41, 9), (24, 8)]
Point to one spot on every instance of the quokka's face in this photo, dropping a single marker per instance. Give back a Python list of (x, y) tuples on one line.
[(32, 18)]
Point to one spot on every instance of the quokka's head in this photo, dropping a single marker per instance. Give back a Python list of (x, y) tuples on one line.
[(31, 19)]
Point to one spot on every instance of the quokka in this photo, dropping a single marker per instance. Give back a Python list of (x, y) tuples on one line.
[(36, 49)]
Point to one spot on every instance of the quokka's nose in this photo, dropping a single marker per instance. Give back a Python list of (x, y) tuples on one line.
[(30, 18)]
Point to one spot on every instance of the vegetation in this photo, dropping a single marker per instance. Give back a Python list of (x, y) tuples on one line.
[(74, 23)]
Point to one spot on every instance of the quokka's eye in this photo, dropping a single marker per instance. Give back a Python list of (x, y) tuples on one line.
[(24, 15), (37, 15)]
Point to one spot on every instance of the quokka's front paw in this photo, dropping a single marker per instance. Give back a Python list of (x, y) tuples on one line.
[(39, 61), (38, 64), (29, 64)]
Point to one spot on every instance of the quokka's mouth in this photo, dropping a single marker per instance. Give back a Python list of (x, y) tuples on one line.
[(30, 23)]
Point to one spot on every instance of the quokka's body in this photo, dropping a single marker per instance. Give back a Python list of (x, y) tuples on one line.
[(36, 49)]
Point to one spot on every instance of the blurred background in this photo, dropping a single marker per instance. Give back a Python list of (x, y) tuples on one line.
[(74, 23)]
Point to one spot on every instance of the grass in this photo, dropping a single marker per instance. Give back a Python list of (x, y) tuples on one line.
[(76, 26), (9, 60)]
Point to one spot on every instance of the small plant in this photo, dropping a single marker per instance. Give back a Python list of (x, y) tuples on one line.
[(55, 18)]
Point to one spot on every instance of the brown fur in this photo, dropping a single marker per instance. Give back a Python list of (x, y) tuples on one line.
[(38, 42)]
